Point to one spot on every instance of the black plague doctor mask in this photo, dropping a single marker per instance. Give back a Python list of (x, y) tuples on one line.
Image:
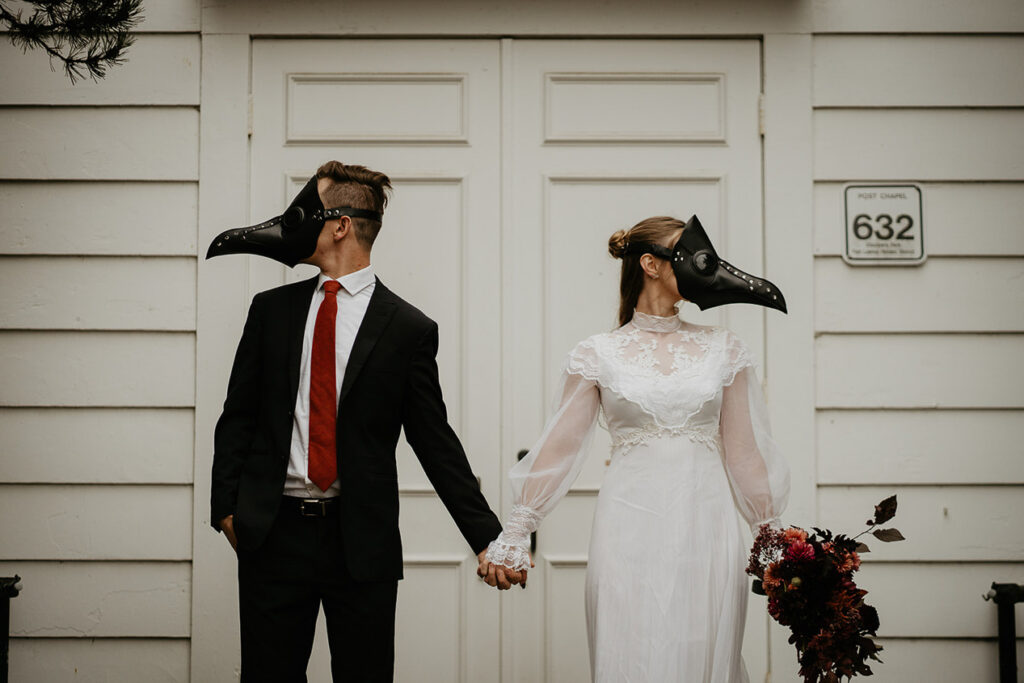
[(290, 237), (705, 279)]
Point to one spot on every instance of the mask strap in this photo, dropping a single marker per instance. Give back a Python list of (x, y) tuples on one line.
[(340, 211), (633, 248)]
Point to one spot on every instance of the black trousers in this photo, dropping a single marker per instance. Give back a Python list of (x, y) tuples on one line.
[(281, 587)]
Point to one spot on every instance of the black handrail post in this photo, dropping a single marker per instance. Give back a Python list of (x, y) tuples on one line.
[(10, 586), (1006, 596)]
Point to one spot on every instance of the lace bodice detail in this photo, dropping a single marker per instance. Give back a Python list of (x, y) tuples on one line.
[(653, 378), (672, 371)]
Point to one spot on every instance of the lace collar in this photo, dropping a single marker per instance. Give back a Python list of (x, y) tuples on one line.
[(656, 323)]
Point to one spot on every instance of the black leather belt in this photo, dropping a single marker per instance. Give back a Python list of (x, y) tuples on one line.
[(311, 507)]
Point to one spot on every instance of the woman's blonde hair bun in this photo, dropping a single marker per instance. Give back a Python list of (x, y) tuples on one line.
[(617, 243)]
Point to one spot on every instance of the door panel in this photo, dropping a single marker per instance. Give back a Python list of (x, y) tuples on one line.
[(603, 134), (513, 162), (426, 113)]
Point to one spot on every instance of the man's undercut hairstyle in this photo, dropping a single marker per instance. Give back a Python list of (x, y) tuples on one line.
[(357, 187)]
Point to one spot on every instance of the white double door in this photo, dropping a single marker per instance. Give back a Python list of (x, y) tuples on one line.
[(512, 161)]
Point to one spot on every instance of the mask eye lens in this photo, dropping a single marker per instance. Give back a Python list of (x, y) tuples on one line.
[(704, 262), (293, 218)]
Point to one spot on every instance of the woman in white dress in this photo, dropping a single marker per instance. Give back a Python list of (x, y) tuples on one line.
[(666, 592)]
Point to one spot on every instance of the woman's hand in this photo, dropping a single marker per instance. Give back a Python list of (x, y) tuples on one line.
[(499, 576)]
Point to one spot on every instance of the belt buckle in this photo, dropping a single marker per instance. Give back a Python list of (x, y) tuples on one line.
[(317, 507)]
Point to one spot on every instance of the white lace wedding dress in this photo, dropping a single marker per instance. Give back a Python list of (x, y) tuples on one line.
[(666, 592)]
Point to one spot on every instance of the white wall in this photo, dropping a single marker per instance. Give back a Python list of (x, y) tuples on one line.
[(98, 215), (918, 378), (99, 207)]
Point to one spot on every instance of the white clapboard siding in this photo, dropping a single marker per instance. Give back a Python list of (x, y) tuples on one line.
[(171, 16), (99, 522), (919, 371), (942, 295), (100, 660), (160, 69), (473, 19), (934, 600), (960, 219), (919, 144), (101, 599), (918, 16), (97, 369), (117, 218), (98, 293), (99, 143), (899, 70), (96, 445), (941, 523), (920, 446), (939, 660)]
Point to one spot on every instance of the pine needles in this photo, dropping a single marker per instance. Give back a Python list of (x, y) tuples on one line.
[(86, 36)]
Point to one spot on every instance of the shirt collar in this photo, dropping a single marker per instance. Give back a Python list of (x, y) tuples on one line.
[(353, 283)]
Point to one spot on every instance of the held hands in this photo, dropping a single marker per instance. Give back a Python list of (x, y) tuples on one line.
[(499, 576)]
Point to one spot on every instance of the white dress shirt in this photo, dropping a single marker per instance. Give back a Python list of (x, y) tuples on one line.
[(353, 300)]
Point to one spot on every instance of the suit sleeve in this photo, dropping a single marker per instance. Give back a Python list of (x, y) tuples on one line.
[(233, 434), (443, 459)]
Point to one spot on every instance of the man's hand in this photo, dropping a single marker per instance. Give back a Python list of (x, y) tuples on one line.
[(498, 576), (227, 525)]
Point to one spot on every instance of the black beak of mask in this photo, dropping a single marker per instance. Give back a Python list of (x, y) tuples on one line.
[(290, 237), (705, 279)]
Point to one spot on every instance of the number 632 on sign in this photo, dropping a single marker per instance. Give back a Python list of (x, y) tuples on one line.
[(883, 225)]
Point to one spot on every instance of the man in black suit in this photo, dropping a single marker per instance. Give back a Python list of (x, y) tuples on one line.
[(327, 373)]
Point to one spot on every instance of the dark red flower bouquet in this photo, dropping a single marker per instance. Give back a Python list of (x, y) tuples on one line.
[(808, 579)]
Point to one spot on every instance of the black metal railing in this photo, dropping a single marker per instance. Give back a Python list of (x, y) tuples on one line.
[(10, 586), (1006, 596)]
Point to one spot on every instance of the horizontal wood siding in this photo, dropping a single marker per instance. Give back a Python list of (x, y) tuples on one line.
[(126, 369), (955, 659), (919, 144), (961, 219), (920, 388), (47, 293), (161, 69), (99, 143), (905, 595), (99, 660), (920, 371), (99, 215), (135, 218), (919, 446), (943, 295), (956, 523), (96, 445), (99, 522), (918, 71), (100, 600)]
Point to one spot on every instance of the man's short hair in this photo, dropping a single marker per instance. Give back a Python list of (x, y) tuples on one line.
[(357, 187)]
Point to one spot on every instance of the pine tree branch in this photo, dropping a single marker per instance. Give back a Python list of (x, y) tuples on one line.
[(87, 36)]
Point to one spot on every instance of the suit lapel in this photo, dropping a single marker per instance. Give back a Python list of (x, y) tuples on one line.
[(298, 311), (378, 314)]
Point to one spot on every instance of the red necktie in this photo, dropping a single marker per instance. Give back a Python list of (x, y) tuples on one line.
[(323, 399)]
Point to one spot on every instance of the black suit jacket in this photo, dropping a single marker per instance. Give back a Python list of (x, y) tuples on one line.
[(390, 382)]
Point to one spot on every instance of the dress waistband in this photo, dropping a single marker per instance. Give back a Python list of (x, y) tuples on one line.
[(625, 440)]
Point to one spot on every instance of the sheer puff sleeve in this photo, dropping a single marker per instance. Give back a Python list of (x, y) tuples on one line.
[(544, 476), (757, 472)]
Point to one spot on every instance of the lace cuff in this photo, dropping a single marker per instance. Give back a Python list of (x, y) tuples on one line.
[(510, 548)]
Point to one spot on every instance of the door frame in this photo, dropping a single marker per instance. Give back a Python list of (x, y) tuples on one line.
[(224, 168)]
